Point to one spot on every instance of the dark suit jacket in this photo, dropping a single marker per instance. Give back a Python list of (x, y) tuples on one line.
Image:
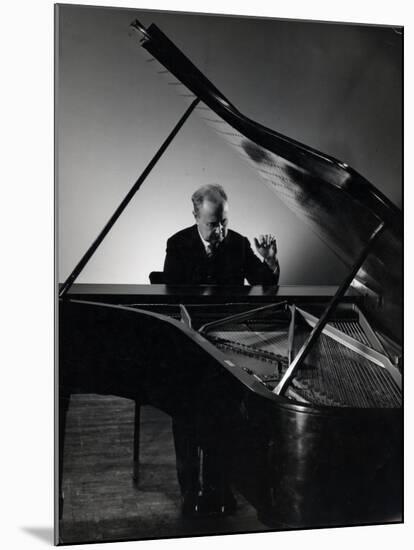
[(186, 261)]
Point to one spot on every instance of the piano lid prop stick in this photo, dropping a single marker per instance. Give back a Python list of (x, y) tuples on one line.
[(88, 254), (291, 333), (318, 328)]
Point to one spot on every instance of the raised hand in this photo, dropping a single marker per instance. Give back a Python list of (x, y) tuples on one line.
[(267, 248)]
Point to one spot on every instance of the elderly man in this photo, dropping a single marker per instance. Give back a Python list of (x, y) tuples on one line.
[(211, 253)]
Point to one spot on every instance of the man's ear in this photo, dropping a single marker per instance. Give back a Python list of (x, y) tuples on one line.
[(195, 215)]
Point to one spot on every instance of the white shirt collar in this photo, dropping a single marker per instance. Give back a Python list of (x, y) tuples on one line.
[(206, 244)]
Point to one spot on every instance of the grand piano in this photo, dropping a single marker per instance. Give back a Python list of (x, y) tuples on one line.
[(293, 394)]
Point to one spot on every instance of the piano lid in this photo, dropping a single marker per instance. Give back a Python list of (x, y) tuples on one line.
[(338, 204)]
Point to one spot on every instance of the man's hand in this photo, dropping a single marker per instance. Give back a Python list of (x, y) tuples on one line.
[(267, 248)]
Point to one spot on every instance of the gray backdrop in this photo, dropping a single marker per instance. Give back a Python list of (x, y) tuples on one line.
[(334, 87)]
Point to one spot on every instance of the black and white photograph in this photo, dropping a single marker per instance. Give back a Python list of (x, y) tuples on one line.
[(229, 274)]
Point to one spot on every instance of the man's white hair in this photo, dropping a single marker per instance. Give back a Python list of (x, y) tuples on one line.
[(211, 192)]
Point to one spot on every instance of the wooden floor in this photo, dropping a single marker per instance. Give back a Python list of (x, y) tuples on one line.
[(101, 502)]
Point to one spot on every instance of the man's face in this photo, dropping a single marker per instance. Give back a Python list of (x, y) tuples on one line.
[(212, 221)]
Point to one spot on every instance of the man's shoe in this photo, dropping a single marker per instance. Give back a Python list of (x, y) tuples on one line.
[(209, 503)]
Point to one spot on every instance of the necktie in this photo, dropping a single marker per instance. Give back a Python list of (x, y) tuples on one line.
[(209, 251)]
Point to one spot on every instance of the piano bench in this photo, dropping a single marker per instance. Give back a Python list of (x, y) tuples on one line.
[(157, 278)]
